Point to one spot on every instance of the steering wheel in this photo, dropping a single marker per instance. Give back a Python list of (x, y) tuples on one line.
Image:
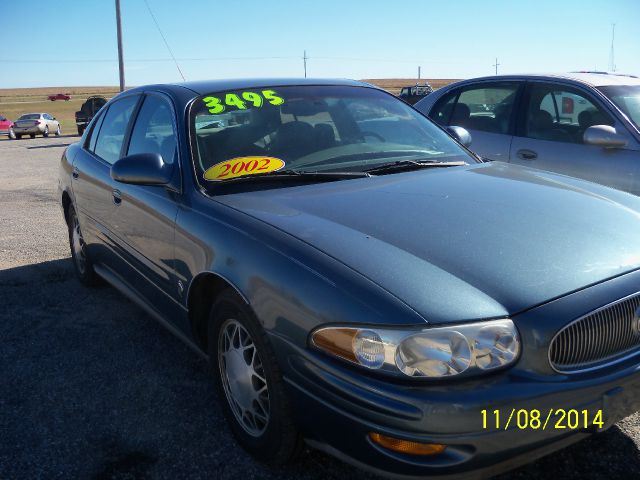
[(373, 134)]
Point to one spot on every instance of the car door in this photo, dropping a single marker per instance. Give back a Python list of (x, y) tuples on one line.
[(550, 137), (91, 178), (144, 217), (486, 110)]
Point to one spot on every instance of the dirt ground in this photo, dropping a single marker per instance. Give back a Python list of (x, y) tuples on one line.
[(92, 387)]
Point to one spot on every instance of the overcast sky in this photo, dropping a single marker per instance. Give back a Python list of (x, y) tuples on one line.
[(73, 42)]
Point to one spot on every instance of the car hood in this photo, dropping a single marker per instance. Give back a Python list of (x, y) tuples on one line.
[(463, 242)]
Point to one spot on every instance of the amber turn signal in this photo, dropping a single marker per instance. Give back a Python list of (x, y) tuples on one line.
[(337, 341), (406, 446)]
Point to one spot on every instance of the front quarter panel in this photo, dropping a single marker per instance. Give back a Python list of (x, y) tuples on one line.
[(291, 287)]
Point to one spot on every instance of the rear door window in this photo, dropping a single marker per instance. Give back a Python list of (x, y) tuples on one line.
[(486, 108), (114, 126)]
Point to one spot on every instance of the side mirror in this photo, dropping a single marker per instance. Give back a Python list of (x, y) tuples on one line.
[(603, 136), (461, 135), (142, 169)]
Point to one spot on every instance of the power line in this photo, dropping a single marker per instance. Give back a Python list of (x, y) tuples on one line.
[(150, 60), (164, 39)]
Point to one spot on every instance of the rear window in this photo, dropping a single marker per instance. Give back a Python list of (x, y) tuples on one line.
[(30, 116)]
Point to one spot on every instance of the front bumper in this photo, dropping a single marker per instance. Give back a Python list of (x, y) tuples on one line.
[(337, 405)]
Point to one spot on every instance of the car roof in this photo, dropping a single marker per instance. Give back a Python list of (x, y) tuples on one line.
[(594, 79), (202, 87)]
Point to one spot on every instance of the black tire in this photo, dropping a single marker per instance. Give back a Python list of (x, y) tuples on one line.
[(82, 266), (46, 131), (80, 130), (32, 135), (18, 136), (280, 441)]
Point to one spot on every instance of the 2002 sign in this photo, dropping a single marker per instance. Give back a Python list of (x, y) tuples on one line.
[(240, 166), (240, 100)]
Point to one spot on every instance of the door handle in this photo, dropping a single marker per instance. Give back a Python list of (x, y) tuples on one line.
[(75, 173), (117, 196), (525, 154)]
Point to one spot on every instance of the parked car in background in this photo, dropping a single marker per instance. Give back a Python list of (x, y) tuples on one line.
[(59, 96), (357, 277), (583, 124), (415, 93), (5, 126), (88, 109), (33, 124)]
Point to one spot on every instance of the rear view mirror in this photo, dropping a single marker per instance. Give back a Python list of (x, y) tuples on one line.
[(142, 169), (603, 136), (460, 134)]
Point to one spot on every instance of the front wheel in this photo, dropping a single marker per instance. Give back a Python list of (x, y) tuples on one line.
[(249, 382), (12, 134), (46, 131), (58, 131), (80, 130), (32, 135)]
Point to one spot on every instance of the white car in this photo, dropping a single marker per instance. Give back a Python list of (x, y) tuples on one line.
[(33, 124), (581, 124)]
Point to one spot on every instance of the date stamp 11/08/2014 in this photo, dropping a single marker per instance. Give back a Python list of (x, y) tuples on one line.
[(533, 419)]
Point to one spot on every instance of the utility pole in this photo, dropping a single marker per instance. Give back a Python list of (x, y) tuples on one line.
[(120, 59), (418, 72), (496, 65), (612, 61), (304, 59)]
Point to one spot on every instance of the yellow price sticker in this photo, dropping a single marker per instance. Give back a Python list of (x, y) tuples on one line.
[(239, 166)]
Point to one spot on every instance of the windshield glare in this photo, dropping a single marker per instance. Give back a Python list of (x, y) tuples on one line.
[(313, 128), (626, 98)]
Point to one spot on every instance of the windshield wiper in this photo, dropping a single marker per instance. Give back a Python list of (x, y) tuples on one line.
[(402, 165), (291, 174)]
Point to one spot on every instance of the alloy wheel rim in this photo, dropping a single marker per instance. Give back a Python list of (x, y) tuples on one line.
[(243, 378), (78, 246)]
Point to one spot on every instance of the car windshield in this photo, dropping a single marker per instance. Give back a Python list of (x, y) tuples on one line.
[(311, 129), (626, 98), (30, 116)]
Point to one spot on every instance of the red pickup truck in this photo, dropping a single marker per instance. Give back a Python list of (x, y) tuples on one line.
[(59, 96)]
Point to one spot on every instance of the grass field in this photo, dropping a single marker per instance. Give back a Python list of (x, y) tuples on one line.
[(17, 101)]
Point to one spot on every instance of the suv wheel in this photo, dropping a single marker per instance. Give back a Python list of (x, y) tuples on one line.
[(249, 382)]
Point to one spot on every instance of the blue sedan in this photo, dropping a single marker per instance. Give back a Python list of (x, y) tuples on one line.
[(357, 278)]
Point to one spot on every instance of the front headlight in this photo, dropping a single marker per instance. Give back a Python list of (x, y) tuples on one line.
[(427, 353)]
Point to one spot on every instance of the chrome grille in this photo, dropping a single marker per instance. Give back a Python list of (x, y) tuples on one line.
[(600, 338)]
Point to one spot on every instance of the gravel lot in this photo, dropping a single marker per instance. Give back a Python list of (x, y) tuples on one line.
[(91, 387)]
